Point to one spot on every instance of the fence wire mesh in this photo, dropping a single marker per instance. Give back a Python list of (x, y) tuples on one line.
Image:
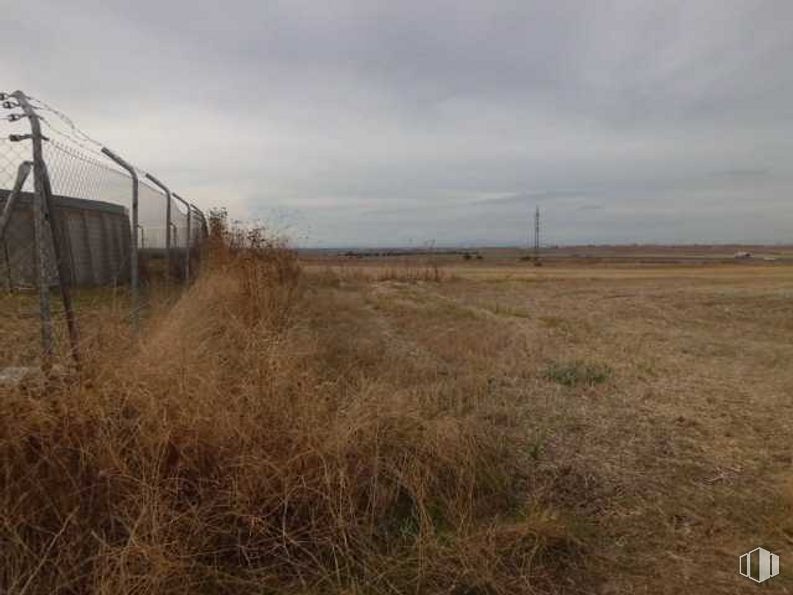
[(12, 154), (91, 195), (151, 216)]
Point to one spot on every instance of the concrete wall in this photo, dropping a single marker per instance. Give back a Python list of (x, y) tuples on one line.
[(98, 236)]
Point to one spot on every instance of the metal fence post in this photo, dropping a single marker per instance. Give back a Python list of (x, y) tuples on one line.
[(174, 235), (22, 174), (40, 249), (64, 265), (40, 262), (204, 226), (164, 188), (23, 171), (204, 234), (134, 269), (195, 239), (43, 190), (187, 241)]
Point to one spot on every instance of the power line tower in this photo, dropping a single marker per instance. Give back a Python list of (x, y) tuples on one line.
[(537, 236)]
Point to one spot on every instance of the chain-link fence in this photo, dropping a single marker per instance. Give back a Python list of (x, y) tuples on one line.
[(75, 216)]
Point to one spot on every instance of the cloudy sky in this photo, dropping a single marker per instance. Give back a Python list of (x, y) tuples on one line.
[(399, 123)]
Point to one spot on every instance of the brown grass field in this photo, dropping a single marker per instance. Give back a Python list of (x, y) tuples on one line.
[(412, 425)]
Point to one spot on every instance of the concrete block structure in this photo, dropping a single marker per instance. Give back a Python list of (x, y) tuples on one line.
[(98, 242)]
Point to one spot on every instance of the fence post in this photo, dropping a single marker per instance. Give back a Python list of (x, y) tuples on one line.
[(187, 240), (22, 175), (42, 276), (134, 270), (195, 238), (43, 190), (23, 171), (174, 235), (204, 226), (189, 243), (164, 188)]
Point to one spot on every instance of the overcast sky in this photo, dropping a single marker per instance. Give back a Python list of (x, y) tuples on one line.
[(403, 122)]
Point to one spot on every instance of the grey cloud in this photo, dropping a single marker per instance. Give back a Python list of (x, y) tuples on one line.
[(743, 173), (525, 198), (387, 122)]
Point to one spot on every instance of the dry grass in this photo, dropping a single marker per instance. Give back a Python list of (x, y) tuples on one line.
[(359, 429), (680, 459), (685, 449), (407, 271), (266, 434), (577, 372)]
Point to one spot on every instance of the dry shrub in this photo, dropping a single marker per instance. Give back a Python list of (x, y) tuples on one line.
[(224, 455), (413, 272), (405, 272), (410, 272)]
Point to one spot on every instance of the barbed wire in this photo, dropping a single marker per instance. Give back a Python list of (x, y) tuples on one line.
[(66, 120), (75, 134)]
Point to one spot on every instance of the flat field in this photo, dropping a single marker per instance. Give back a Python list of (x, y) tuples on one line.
[(658, 395), (411, 423)]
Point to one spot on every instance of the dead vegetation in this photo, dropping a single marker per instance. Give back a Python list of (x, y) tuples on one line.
[(266, 434), (349, 429), (680, 458)]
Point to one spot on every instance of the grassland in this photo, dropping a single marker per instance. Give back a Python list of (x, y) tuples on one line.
[(415, 426), (658, 396)]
